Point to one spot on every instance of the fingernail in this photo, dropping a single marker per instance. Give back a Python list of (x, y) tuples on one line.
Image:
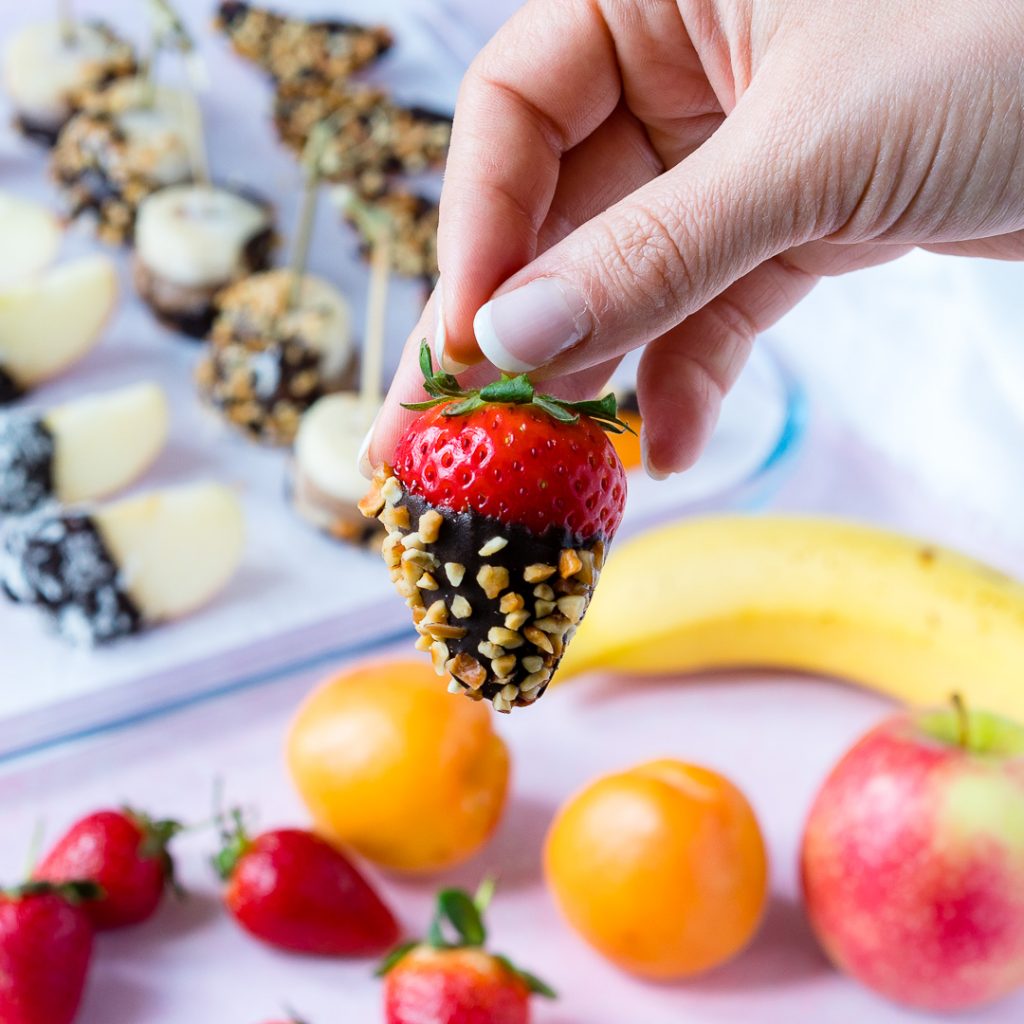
[(365, 466), (645, 457), (444, 360), (528, 327)]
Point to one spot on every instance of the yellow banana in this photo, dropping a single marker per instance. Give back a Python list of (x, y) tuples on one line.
[(822, 596)]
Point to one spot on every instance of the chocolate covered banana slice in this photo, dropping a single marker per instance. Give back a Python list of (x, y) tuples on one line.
[(52, 320), (106, 573), (81, 450)]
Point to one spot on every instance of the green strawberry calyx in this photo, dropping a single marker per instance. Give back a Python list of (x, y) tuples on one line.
[(507, 390), (458, 923), (75, 892), (157, 834), (235, 844)]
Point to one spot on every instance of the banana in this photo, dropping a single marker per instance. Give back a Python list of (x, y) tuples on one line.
[(826, 597)]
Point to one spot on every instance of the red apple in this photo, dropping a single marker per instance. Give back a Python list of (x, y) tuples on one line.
[(913, 859)]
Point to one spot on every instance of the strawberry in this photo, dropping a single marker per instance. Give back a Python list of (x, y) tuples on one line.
[(499, 509), (294, 891), (125, 853), (45, 949), (455, 981)]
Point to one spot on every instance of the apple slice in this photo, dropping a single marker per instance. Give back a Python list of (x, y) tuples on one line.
[(126, 566), (175, 548), (52, 320), (31, 236), (103, 442)]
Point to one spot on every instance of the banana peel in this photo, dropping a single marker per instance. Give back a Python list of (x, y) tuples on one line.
[(831, 598)]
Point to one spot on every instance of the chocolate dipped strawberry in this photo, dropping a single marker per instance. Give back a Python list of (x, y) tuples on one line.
[(499, 509)]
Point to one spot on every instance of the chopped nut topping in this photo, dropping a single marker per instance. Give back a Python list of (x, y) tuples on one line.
[(437, 612), (417, 613), (391, 490), (510, 691), (553, 624), (411, 571), (511, 603), (501, 703), (429, 525), (461, 608), (568, 563), (455, 571), (439, 655), (542, 608), (406, 588), (493, 546), (538, 639), (395, 517), (533, 663), (598, 550), (505, 637), (454, 686), (572, 607), (469, 670), (493, 579), (423, 643), (413, 540), (538, 572), (372, 502), (424, 559), (490, 650), (442, 631), (392, 549), (528, 697), (544, 592), (504, 666), (515, 620), (426, 582), (533, 681), (586, 571)]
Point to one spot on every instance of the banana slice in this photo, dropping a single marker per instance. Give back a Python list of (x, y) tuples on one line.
[(125, 566), (327, 484), (31, 236), (53, 320), (84, 449)]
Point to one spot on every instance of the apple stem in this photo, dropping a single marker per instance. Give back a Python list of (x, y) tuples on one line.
[(963, 720), (312, 155)]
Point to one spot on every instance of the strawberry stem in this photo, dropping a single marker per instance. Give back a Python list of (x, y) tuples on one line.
[(76, 892), (507, 390), (236, 844), (157, 834)]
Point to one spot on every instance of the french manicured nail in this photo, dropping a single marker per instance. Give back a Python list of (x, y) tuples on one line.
[(365, 466), (528, 327), (444, 360), (645, 457)]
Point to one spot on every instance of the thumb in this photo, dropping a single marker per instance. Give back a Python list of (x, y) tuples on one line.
[(629, 275)]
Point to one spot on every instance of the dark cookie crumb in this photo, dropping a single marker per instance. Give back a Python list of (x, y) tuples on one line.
[(10, 391), (26, 463)]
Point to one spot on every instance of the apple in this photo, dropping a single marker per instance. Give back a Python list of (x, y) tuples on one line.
[(913, 859), (31, 236)]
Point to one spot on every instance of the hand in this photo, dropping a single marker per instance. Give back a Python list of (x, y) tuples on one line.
[(677, 175)]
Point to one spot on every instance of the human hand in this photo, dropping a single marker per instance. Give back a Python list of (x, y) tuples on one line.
[(677, 175)]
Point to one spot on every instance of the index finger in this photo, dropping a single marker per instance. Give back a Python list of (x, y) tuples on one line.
[(545, 82)]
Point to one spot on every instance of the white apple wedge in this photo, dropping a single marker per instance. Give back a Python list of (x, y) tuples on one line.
[(175, 548), (29, 238), (102, 442), (49, 322)]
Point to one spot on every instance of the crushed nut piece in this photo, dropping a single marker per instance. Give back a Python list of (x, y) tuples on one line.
[(439, 655), (418, 612), (504, 666), (391, 490), (511, 602), (461, 608), (598, 550), (542, 608), (533, 663), (538, 639), (505, 637), (557, 624), (572, 607), (437, 612), (515, 620), (544, 592), (568, 563), (493, 546), (587, 571), (493, 579), (501, 704), (534, 681), (538, 572), (490, 650), (391, 549), (454, 686), (411, 571), (429, 525), (372, 502), (455, 571), (424, 559), (426, 582), (465, 667), (442, 631), (395, 517), (423, 643), (510, 691), (413, 540)]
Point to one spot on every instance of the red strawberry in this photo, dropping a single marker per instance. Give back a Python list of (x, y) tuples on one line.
[(45, 948), (295, 891), (499, 511), (444, 981), (125, 853)]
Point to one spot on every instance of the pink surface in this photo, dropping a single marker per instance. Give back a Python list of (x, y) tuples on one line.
[(775, 737)]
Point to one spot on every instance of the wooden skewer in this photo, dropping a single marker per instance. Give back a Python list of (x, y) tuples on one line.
[(311, 157), (372, 368)]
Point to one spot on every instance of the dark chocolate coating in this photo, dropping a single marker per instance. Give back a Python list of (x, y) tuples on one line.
[(460, 539), (59, 562), (42, 132), (26, 463), (9, 389)]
